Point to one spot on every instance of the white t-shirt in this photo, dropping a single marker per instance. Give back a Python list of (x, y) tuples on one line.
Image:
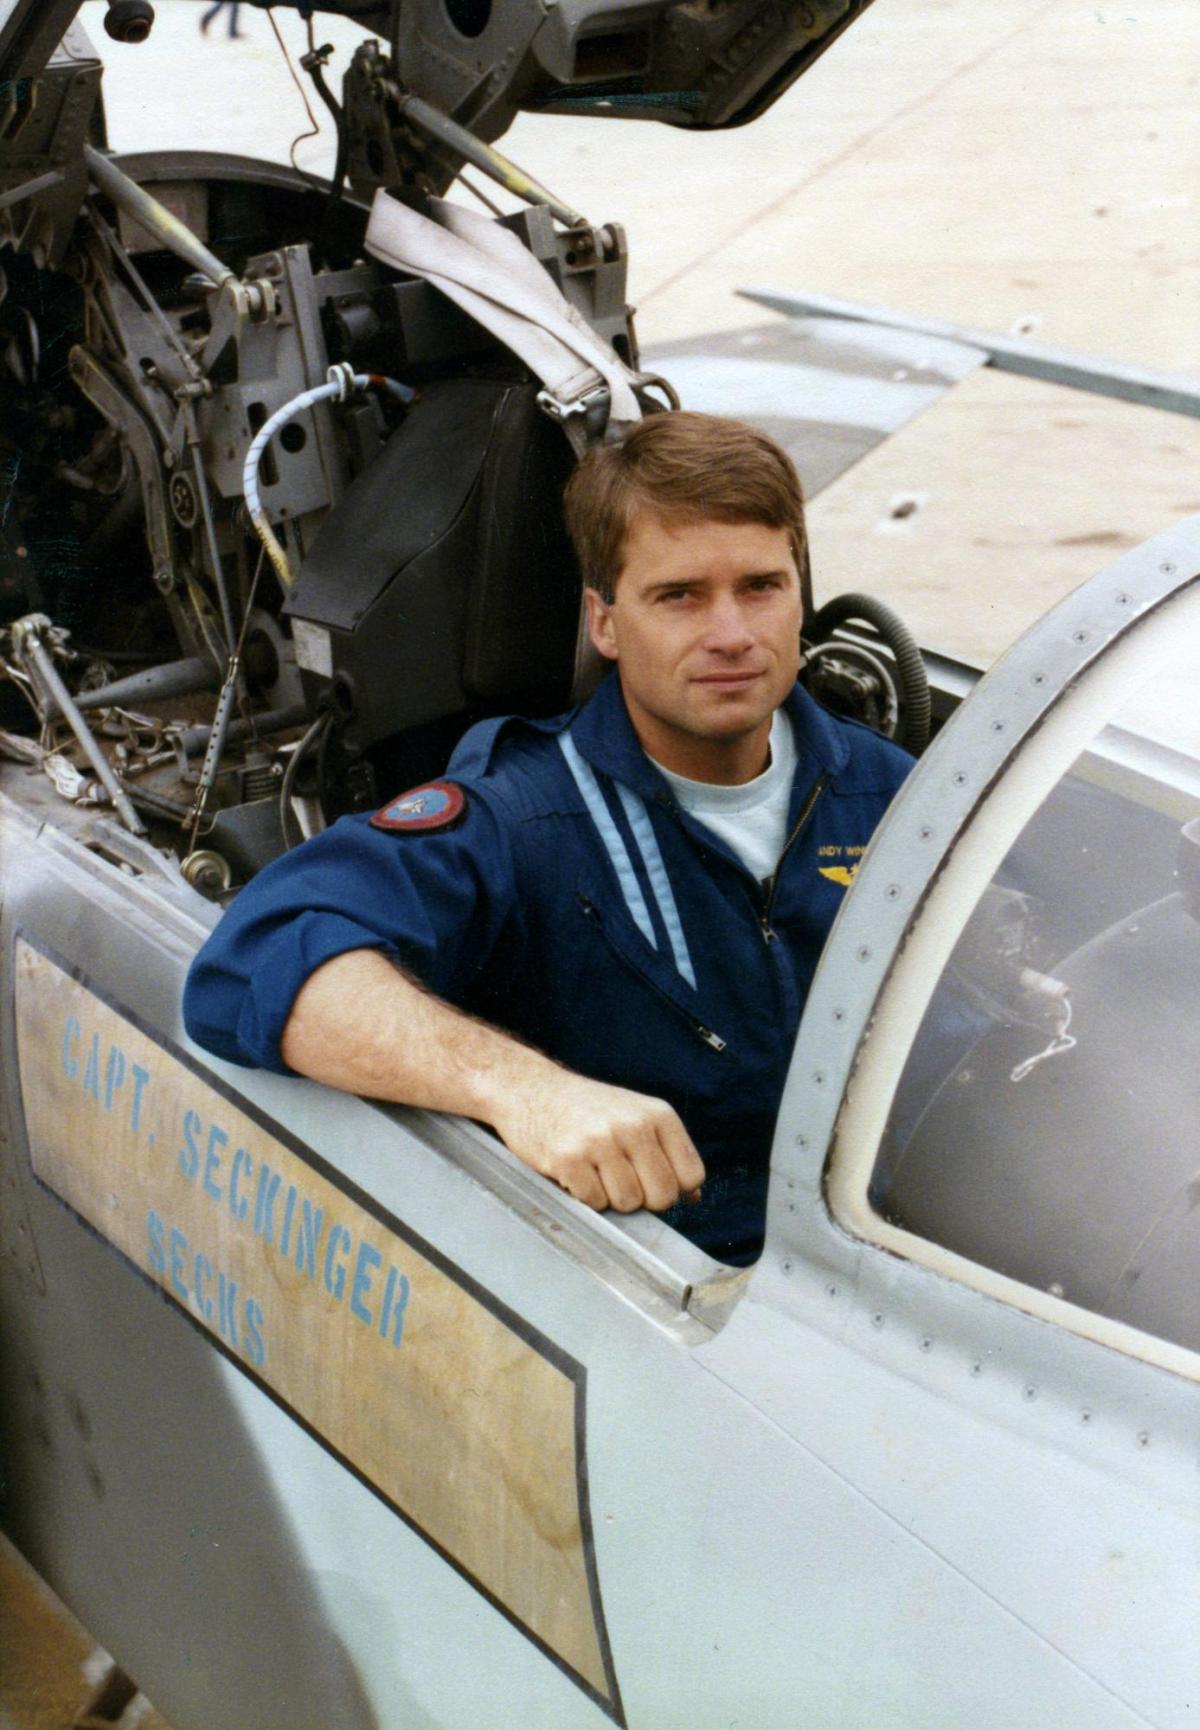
[(750, 818)]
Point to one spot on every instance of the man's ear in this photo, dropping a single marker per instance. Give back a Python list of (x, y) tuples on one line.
[(599, 624)]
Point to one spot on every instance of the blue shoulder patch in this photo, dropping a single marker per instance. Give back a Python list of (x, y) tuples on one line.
[(436, 805)]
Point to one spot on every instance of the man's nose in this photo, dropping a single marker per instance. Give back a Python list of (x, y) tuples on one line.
[(726, 629)]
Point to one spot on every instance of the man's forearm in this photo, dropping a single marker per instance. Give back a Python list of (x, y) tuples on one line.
[(360, 1024)]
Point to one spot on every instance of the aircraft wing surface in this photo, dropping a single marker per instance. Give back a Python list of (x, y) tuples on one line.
[(829, 389)]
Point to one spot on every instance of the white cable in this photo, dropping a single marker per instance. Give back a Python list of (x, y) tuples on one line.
[(340, 381), (1063, 1040)]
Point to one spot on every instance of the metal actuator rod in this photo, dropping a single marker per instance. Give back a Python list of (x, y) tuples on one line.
[(154, 217)]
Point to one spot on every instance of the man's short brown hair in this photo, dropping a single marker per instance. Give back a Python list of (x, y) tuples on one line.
[(682, 467)]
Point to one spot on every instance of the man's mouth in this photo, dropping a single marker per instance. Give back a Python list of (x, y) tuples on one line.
[(727, 681)]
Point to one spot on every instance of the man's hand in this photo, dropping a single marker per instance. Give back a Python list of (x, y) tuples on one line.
[(607, 1146), (361, 1024)]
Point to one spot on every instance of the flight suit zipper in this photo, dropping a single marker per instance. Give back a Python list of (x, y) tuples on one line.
[(764, 915), (711, 1039)]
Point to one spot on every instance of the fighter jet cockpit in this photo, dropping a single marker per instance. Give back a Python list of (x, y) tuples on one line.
[(284, 459)]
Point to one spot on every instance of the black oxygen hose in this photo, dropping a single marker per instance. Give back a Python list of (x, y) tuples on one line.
[(914, 685)]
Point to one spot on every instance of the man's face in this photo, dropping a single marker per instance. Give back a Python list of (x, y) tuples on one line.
[(705, 627)]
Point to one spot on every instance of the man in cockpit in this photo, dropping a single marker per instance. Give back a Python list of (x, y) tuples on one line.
[(597, 933)]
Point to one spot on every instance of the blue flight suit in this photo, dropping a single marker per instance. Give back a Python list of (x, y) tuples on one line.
[(573, 902)]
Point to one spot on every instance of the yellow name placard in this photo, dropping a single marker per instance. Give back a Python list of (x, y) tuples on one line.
[(460, 1417)]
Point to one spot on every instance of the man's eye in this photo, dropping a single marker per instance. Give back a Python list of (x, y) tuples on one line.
[(759, 584), (675, 595)]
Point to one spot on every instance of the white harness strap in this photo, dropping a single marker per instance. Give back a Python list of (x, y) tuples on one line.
[(486, 271), (618, 853)]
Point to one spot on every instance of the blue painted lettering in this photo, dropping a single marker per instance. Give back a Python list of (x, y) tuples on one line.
[(72, 1034), (212, 1160), (252, 1340), (189, 1154), (308, 1239), (335, 1277), (395, 1302), (285, 1240), (201, 1273), (264, 1203), (91, 1069), (179, 1245), (154, 1231), (369, 1258), (238, 1205), (227, 1303), (114, 1075), (140, 1078)]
